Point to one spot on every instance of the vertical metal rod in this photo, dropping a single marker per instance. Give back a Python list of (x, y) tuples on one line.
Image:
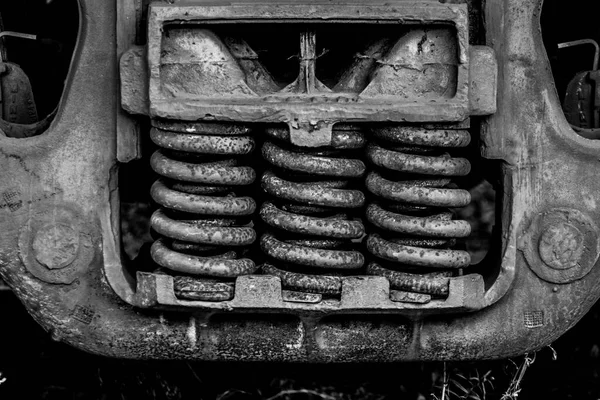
[(308, 56)]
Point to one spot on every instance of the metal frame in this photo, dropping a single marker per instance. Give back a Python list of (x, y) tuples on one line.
[(275, 108), (71, 169)]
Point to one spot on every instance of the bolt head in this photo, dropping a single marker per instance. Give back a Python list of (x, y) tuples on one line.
[(561, 246), (56, 245)]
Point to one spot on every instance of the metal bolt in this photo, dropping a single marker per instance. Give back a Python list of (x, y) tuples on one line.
[(56, 245), (561, 246)]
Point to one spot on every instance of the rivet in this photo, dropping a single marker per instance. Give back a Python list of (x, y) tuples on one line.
[(56, 245), (561, 245)]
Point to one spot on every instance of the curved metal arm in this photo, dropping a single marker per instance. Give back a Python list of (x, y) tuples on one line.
[(27, 36), (581, 42), (18, 35)]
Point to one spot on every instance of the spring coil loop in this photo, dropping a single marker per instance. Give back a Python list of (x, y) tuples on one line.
[(310, 212), (414, 228), (203, 223)]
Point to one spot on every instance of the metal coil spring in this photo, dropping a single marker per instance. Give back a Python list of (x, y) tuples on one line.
[(204, 224), (310, 213), (415, 230)]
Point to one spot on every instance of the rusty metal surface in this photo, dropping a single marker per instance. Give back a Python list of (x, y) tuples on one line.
[(423, 65), (196, 265), (308, 225), (202, 219), (318, 233), (322, 193), (83, 295), (309, 256), (435, 285), (320, 284), (249, 106), (561, 245), (427, 193), (17, 105), (312, 164), (417, 228), (440, 225)]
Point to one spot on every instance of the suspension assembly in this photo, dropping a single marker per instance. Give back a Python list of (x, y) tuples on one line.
[(351, 179), (204, 220), (313, 211), (332, 175), (413, 227)]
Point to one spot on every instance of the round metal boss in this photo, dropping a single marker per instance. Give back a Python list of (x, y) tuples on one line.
[(561, 245)]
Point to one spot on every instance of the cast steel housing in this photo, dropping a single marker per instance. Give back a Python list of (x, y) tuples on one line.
[(60, 246)]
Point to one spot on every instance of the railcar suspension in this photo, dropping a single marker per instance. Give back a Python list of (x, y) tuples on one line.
[(311, 214), (204, 223), (413, 230)]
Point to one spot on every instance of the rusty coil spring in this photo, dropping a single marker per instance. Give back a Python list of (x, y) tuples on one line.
[(310, 213), (413, 230), (204, 224)]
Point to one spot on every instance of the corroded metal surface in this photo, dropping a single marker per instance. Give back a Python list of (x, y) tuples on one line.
[(65, 180), (316, 237), (57, 247), (194, 289), (419, 136), (342, 107), (321, 284), (417, 164), (320, 193), (180, 200), (432, 284), (16, 91), (203, 173), (343, 136), (202, 144), (422, 237), (206, 266), (427, 193), (561, 245), (309, 256), (423, 64), (439, 226), (308, 225), (312, 164), (210, 173)]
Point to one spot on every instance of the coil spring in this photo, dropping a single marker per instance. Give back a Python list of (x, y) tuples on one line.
[(203, 223), (414, 192), (310, 215)]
